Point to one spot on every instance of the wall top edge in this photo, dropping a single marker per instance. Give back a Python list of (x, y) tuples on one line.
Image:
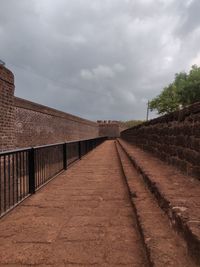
[(6, 75), (176, 116), (28, 105)]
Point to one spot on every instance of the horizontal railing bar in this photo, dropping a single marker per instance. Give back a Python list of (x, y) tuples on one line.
[(81, 140), (50, 145), (24, 171), (4, 153)]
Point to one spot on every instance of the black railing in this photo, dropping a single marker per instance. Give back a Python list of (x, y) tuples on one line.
[(24, 171)]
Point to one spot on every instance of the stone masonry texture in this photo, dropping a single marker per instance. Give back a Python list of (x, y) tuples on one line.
[(174, 138), (111, 129), (7, 132), (39, 125), (24, 123)]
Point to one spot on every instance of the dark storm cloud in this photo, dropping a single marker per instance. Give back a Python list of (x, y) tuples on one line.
[(97, 58), (190, 19)]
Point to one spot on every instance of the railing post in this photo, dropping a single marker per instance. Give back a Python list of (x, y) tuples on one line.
[(32, 171), (65, 156), (79, 149)]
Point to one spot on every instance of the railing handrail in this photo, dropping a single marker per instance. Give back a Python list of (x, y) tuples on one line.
[(24, 171), (50, 145), (80, 140), (8, 152)]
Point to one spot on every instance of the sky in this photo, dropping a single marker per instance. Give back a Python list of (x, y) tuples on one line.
[(98, 59)]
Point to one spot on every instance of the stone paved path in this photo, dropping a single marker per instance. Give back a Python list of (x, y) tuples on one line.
[(82, 218)]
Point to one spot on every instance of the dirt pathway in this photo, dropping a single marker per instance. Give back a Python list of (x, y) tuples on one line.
[(84, 217)]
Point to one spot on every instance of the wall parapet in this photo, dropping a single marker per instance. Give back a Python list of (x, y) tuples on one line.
[(6, 75), (24, 123), (29, 105), (7, 132), (36, 124), (174, 138), (110, 128)]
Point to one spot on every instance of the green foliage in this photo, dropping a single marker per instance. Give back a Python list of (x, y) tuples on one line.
[(167, 101), (184, 90), (190, 93), (131, 123)]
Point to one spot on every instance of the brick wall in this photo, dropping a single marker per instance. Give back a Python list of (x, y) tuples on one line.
[(24, 123), (38, 125), (7, 133), (109, 128), (174, 138)]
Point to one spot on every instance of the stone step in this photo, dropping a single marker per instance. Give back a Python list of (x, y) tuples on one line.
[(163, 246), (177, 195)]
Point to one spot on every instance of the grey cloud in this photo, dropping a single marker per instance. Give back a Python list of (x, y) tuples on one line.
[(100, 59), (102, 72), (189, 19)]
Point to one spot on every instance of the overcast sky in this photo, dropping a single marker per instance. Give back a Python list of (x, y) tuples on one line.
[(98, 59)]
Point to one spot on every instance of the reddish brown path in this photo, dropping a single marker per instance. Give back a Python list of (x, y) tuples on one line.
[(82, 218)]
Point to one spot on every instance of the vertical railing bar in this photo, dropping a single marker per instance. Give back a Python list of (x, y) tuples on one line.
[(79, 149), (38, 167), (39, 164), (67, 153), (4, 161), (42, 166), (20, 164), (32, 171), (0, 183), (23, 163), (65, 156), (37, 170), (26, 173), (23, 171), (45, 165), (9, 196), (40, 153), (53, 163), (49, 163), (17, 177), (13, 177)]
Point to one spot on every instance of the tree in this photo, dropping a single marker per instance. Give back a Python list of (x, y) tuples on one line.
[(183, 91), (190, 93), (167, 101)]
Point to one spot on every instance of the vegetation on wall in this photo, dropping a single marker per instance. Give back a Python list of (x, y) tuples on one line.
[(131, 123), (183, 91)]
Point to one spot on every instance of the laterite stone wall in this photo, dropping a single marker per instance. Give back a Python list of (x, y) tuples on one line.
[(174, 138), (24, 123), (109, 128), (40, 125), (7, 131)]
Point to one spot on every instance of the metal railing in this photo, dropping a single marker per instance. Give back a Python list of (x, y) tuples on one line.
[(24, 171)]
